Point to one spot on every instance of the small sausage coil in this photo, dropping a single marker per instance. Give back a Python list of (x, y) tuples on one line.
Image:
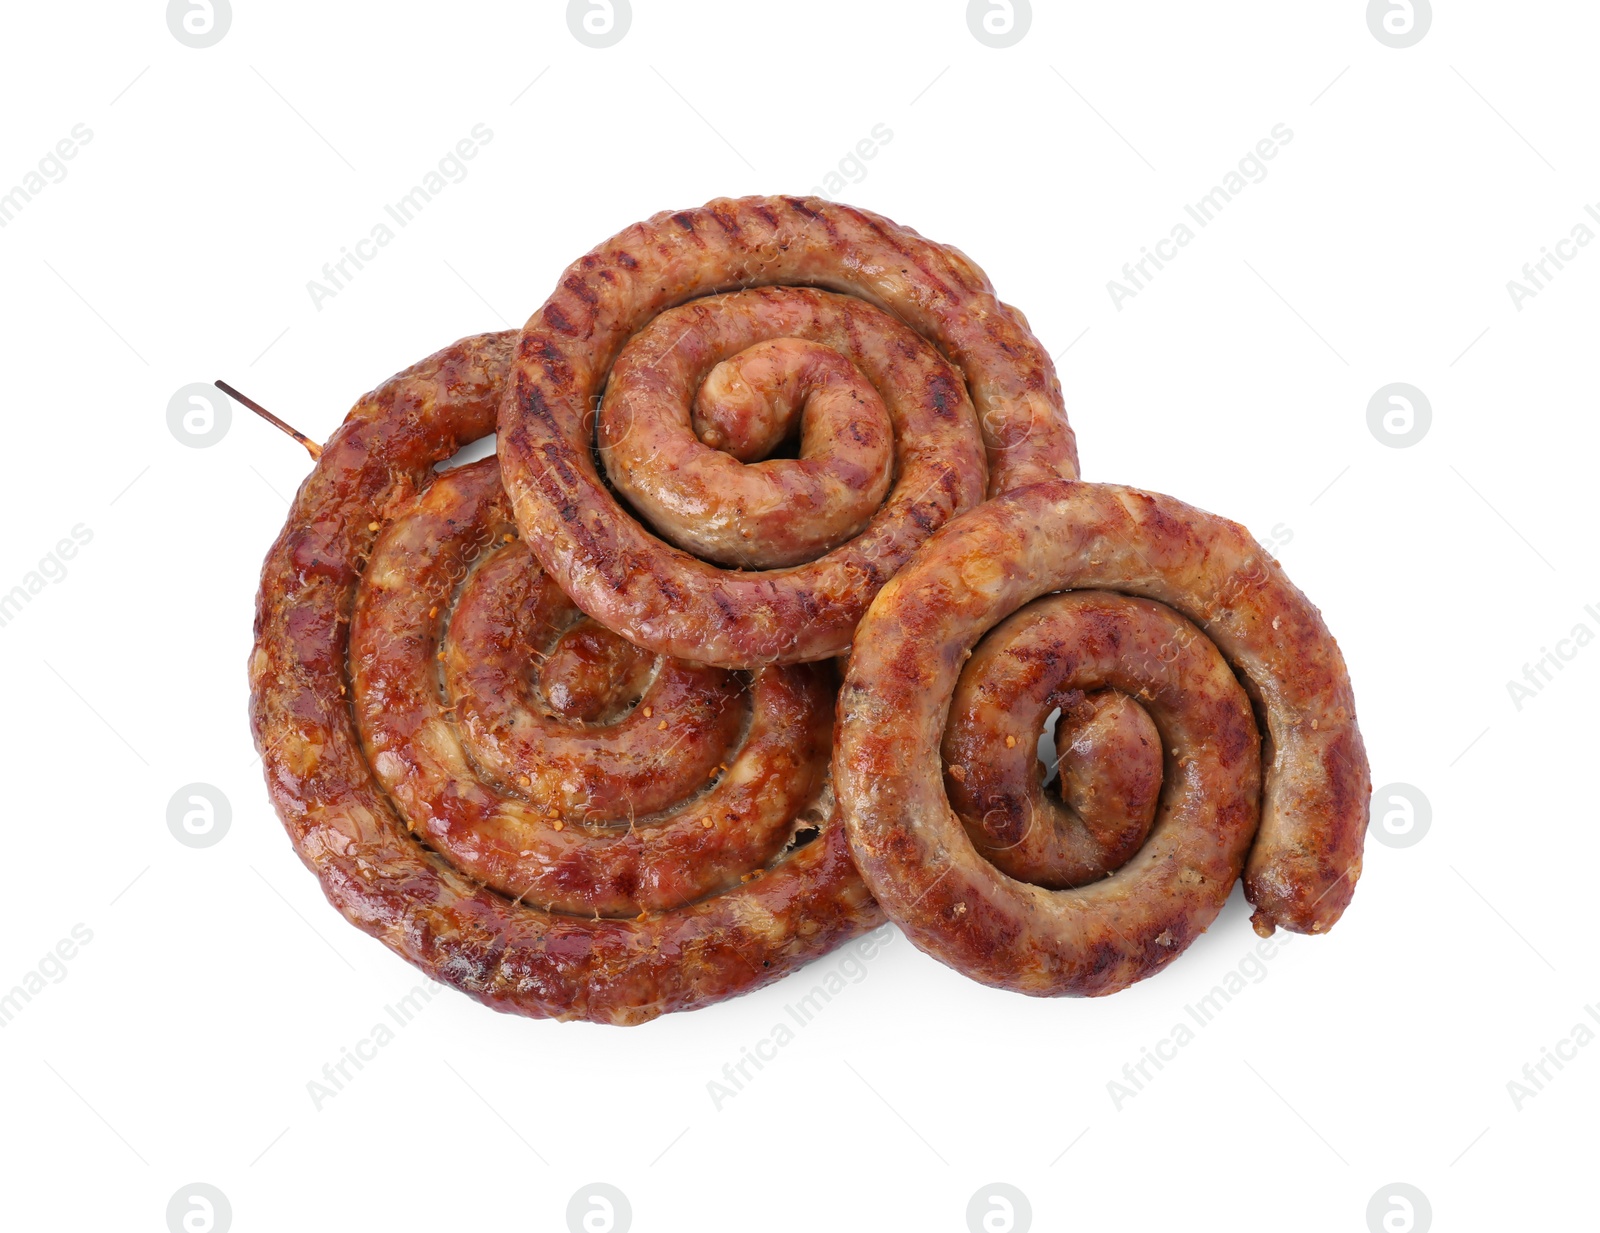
[(786, 396), (512, 797), (1160, 633)]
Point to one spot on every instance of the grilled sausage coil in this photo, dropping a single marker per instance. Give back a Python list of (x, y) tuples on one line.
[(706, 329), (515, 799), (953, 672)]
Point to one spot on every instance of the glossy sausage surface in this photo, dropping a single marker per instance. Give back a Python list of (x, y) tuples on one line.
[(917, 319), (1195, 601), (396, 754)]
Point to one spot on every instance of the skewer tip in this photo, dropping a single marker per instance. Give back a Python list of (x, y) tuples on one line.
[(311, 446)]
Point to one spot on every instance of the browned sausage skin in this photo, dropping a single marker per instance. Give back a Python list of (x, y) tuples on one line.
[(1203, 574), (529, 778), (747, 272), (422, 566)]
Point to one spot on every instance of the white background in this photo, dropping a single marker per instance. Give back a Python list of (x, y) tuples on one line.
[(218, 982)]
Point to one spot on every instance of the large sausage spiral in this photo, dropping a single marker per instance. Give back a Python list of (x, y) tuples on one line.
[(963, 655), (787, 304), (510, 796)]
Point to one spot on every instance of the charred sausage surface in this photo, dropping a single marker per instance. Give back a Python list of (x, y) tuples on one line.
[(917, 319), (1194, 596), (434, 796)]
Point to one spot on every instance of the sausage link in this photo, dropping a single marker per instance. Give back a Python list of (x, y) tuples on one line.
[(1210, 598), (370, 542), (920, 322)]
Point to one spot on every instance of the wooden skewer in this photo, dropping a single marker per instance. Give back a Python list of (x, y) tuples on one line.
[(312, 447)]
